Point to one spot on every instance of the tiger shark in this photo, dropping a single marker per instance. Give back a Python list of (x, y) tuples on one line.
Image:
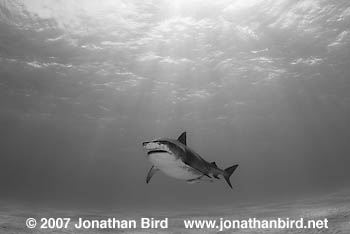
[(174, 158)]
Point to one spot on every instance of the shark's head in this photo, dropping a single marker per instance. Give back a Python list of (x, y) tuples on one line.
[(163, 145)]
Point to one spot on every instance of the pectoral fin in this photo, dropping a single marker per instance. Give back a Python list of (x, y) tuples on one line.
[(151, 172)]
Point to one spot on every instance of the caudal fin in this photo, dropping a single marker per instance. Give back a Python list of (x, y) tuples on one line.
[(228, 173)]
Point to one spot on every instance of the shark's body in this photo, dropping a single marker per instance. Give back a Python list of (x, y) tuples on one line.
[(176, 159)]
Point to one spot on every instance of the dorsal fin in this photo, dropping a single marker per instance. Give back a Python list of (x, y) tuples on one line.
[(214, 164), (182, 138)]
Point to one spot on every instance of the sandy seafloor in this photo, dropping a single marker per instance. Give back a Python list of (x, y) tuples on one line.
[(335, 207)]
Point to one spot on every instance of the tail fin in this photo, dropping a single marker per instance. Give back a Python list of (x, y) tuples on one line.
[(228, 173)]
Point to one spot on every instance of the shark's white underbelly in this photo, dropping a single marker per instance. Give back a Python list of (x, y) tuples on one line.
[(173, 166)]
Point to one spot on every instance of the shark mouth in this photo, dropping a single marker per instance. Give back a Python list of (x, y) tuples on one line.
[(156, 151)]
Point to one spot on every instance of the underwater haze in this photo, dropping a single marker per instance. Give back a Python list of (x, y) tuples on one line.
[(261, 83)]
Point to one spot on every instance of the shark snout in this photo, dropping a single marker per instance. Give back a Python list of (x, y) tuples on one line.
[(152, 145)]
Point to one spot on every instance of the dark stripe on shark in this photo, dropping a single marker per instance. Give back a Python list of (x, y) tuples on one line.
[(156, 151)]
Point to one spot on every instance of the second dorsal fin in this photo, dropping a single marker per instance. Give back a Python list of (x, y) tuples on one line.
[(182, 138)]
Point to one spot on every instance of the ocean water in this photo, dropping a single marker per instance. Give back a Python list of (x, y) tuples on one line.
[(262, 84)]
